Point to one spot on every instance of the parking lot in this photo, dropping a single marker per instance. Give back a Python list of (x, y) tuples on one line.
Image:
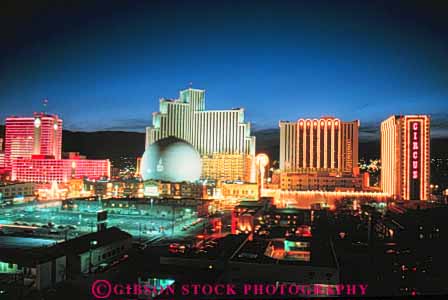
[(51, 219)]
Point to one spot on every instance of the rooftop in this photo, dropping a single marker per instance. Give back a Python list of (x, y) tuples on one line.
[(29, 251)]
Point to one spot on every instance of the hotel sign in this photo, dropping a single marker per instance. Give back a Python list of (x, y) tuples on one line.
[(415, 157), (415, 149)]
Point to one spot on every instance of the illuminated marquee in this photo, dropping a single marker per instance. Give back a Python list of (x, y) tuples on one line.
[(415, 149), (415, 157)]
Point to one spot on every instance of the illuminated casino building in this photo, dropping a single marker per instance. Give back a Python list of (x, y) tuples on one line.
[(46, 169), (405, 157), (2, 155), (33, 147), (319, 145), (213, 133), (25, 136)]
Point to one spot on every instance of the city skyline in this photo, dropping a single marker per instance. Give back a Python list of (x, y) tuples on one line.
[(328, 58), (170, 149)]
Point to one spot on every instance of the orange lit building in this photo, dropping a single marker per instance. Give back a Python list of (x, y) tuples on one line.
[(240, 191), (317, 182), (227, 167), (319, 145), (405, 157), (137, 169)]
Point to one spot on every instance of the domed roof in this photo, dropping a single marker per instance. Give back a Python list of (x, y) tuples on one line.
[(171, 159)]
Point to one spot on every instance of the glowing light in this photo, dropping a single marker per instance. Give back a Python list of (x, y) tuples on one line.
[(262, 160), (37, 123)]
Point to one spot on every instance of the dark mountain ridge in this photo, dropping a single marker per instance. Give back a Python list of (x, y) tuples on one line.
[(115, 144)]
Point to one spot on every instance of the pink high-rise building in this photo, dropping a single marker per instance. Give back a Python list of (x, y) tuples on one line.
[(37, 135)]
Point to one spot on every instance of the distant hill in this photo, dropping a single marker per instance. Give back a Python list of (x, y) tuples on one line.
[(114, 144), (101, 144), (268, 141), (104, 144)]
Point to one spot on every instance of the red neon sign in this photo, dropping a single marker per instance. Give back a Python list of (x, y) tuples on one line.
[(415, 150)]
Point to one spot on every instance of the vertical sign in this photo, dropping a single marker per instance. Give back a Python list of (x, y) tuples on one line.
[(415, 157)]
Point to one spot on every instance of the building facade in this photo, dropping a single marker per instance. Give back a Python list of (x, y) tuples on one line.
[(33, 152), (314, 182), (17, 190), (240, 191), (43, 169), (211, 132), (319, 145), (25, 136), (405, 157), (227, 167)]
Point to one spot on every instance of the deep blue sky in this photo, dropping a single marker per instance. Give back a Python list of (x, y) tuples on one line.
[(103, 66)]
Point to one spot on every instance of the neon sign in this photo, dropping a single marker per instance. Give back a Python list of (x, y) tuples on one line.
[(415, 150)]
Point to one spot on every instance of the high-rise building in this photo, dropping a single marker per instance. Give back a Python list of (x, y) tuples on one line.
[(2, 161), (405, 157), (211, 132), (319, 145), (33, 147), (37, 135)]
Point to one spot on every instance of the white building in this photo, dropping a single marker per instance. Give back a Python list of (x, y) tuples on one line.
[(211, 132)]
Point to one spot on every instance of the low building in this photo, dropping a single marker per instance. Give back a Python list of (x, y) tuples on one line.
[(260, 218), (31, 262), (115, 188), (18, 190), (178, 190), (239, 191), (413, 222), (294, 181), (310, 262), (87, 252), (46, 169), (287, 217)]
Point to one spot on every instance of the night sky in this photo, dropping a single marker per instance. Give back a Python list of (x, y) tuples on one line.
[(103, 65)]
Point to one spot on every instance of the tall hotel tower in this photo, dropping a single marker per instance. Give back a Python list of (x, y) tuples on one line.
[(221, 137), (33, 148), (25, 136), (319, 145), (405, 161)]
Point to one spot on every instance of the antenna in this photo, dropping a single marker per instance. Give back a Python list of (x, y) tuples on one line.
[(191, 84), (44, 104)]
